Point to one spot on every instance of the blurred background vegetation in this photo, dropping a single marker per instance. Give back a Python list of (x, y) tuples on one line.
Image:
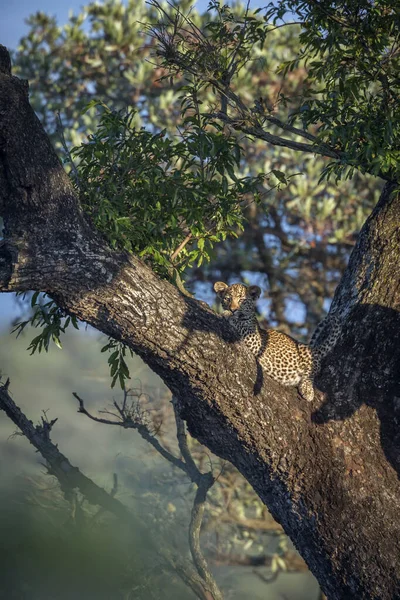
[(295, 245)]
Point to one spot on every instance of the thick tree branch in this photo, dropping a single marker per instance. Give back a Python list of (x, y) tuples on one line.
[(327, 471), (363, 281)]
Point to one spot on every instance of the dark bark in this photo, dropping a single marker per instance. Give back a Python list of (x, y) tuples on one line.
[(328, 470)]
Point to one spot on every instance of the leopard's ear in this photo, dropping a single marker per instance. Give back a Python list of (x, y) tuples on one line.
[(220, 287), (254, 292)]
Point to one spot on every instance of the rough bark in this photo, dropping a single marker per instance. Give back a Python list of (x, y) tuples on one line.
[(328, 471)]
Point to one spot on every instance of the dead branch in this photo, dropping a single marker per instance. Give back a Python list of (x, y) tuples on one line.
[(69, 477)]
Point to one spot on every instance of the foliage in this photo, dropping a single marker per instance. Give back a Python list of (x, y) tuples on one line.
[(117, 363), (349, 95), (103, 53), (52, 320), (318, 214), (168, 201), (296, 241), (352, 53)]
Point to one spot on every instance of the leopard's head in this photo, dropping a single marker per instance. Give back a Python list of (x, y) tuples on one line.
[(238, 299)]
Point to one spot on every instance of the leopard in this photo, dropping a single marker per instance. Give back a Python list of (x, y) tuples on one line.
[(280, 356)]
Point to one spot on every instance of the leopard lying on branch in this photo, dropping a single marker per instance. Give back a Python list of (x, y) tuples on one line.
[(281, 357)]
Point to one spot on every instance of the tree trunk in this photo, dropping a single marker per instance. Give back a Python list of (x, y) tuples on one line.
[(328, 470)]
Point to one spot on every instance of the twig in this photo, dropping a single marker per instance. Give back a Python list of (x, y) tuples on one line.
[(60, 131), (181, 247), (246, 122), (193, 471), (293, 561), (258, 132), (208, 587), (204, 482), (128, 423)]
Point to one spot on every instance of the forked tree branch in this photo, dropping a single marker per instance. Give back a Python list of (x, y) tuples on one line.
[(126, 421), (69, 477), (246, 121)]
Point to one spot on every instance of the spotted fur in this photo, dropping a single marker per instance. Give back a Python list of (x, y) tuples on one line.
[(283, 358)]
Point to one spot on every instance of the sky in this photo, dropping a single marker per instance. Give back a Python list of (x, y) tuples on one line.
[(13, 14)]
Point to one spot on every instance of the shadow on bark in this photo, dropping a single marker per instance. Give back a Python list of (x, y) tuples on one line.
[(206, 320), (364, 369)]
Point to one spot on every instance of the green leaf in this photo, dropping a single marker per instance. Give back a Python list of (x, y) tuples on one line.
[(279, 175), (34, 299), (56, 340)]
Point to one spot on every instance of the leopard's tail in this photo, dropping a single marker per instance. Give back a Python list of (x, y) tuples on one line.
[(326, 335)]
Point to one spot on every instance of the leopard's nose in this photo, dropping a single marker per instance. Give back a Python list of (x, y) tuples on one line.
[(234, 306)]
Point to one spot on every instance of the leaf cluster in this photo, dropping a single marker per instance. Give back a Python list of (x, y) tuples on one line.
[(168, 199), (53, 322), (50, 318), (119, 370), (352, 53)]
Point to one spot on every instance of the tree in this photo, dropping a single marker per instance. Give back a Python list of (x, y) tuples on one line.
[(328, 475), (295, 241)]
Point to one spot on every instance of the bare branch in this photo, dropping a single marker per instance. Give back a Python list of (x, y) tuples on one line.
[(193, 472), (70, 477), (185, 62), (294, 563), (128, 423), (259, 132), (60, 131), (205, 483), (181, 246)]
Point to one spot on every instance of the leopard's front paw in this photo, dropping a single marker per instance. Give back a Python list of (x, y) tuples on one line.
[(306, 390)]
